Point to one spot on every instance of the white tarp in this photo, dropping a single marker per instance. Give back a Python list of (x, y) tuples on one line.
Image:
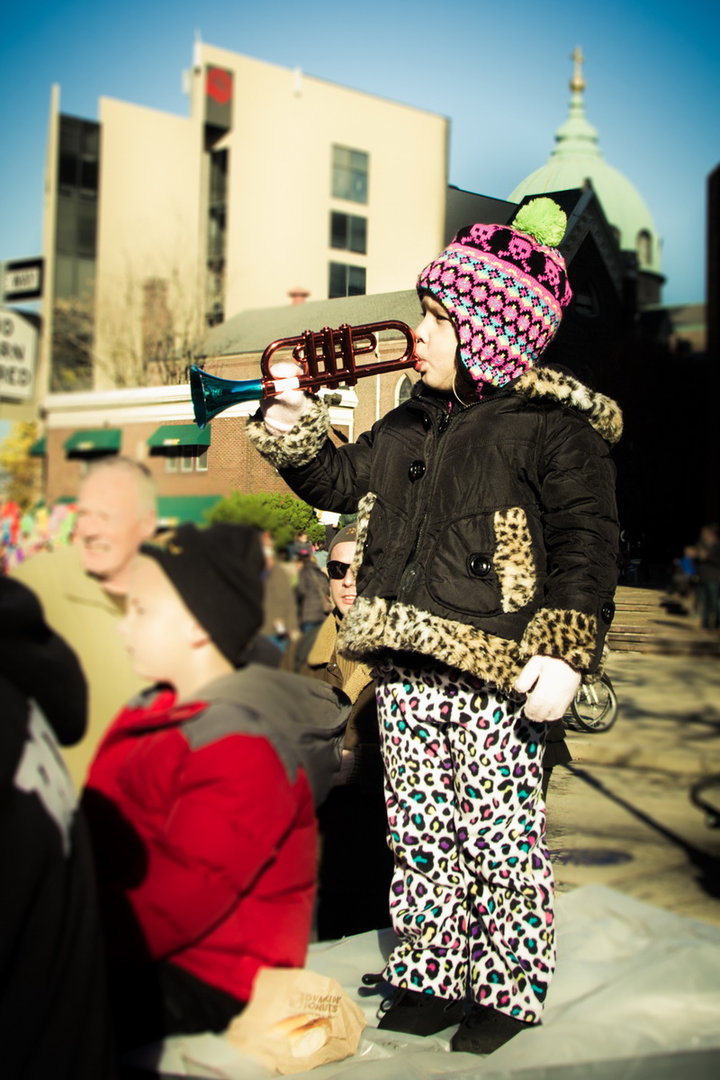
[(636, 996)]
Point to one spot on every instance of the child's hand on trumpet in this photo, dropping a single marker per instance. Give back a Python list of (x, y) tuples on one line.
[(282, 411)]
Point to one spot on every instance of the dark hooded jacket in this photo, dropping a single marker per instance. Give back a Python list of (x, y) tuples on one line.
[(486, 534), (53, 1014)]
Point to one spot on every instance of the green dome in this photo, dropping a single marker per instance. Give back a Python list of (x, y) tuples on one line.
[(576, 159)]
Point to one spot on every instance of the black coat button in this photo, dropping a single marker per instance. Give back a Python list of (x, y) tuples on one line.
[(607, 612), (426, 422), (416, 470), (479, 564)]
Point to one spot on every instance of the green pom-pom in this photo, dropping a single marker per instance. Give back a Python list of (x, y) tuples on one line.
[(543, 220)]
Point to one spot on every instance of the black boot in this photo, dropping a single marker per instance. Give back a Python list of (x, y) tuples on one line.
[(484, 1029), (420, 1014)]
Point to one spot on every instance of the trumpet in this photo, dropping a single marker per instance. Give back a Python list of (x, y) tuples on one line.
[(327, 357)]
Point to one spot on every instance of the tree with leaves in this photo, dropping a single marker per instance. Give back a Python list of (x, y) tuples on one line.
[(21, 469), (72, 344), (282, 515)]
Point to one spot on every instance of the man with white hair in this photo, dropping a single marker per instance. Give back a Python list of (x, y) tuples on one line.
[(83, 588)]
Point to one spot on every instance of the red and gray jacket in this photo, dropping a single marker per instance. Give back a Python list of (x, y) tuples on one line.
[(203, 823)]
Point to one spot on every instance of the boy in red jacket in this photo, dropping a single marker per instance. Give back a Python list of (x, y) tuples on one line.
[(199, 801)]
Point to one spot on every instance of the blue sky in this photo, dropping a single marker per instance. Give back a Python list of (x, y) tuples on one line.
[(500, 72)]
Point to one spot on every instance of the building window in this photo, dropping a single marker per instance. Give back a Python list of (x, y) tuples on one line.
[(76, 213), (350, 170), (644, 247), (403, 389), (346, 280), (348, 232), (78, 178), (78, 155), (216, 237), (186, 459)]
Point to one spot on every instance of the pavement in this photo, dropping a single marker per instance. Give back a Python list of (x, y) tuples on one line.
[(653, 621), (666, 672), (621, 815), (669, 717), (637, 871)]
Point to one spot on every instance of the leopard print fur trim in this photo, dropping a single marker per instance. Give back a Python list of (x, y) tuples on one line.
[(514, 563), (364, 510), (299, 445), (593, 676), (567, 634), (373, 626), (600, 411)]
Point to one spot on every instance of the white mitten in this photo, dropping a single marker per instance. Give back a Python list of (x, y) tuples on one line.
[(282, 411), (550, 685)]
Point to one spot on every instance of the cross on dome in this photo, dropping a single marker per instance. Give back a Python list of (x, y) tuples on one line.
[(577, 82)]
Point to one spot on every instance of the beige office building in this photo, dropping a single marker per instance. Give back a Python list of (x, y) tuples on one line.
[(275, 187)]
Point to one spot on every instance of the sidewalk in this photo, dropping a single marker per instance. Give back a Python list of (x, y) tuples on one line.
[(622, 815), (668, 689), (651, 621), (636, 990), (669, 717)]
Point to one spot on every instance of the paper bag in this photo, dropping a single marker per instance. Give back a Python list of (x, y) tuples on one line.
[(296, 1020)]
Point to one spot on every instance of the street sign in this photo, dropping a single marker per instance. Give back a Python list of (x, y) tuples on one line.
[(23, 279), (18, 349)]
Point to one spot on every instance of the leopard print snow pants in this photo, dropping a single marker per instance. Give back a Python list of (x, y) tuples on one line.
[(472, 891)]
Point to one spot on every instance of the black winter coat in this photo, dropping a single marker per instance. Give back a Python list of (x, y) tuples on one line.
[(486, 534), (54, 1020)]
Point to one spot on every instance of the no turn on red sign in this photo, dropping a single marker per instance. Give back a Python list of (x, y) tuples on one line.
[(18, 352)]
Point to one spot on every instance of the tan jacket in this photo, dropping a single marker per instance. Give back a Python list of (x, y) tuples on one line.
[(80, 611), (352, 677)]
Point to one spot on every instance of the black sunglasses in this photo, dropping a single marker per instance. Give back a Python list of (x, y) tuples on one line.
[(337, 570)]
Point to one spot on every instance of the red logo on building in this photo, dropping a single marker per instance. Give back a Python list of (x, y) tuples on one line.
[(219, 85)]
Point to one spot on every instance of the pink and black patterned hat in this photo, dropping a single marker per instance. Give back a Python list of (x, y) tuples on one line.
[(504, 286)]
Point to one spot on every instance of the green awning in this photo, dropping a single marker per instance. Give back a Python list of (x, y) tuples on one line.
[(93, 441), (169, 435), (38, 447), (176, 510)]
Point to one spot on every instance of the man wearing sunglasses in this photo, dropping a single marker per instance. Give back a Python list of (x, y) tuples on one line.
[(355, 863)]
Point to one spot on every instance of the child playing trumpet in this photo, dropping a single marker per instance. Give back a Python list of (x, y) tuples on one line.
[(486, 568)]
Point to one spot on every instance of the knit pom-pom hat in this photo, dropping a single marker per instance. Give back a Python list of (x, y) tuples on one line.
[(504, 286)]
